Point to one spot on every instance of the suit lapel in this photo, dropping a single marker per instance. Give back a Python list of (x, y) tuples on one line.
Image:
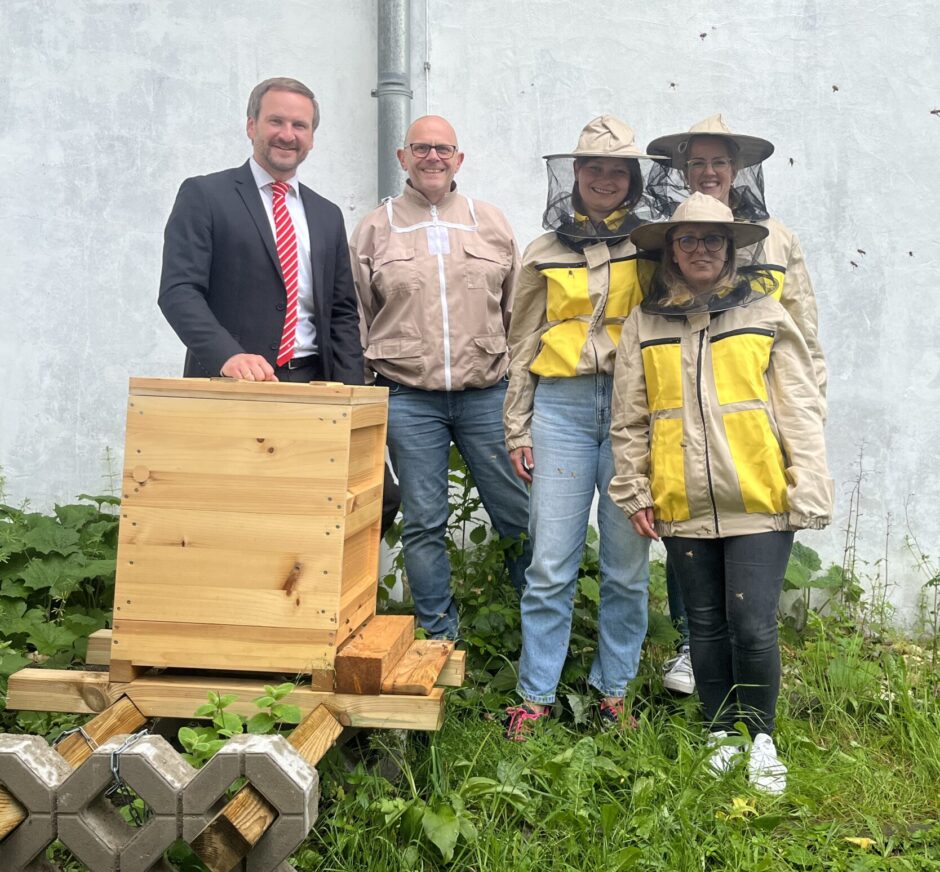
[(317, 246), (251, 197)]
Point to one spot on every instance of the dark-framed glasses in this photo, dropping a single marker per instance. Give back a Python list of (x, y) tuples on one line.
[(718, 164), (712, 242), (423, 149)]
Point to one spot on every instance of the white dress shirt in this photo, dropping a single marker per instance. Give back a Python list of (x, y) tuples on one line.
[(305, 339)]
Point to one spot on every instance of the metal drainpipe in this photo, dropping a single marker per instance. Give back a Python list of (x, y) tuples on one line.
[(393, 92)]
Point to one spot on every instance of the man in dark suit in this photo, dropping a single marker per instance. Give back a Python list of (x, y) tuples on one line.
[(223, 285), (256, 279)]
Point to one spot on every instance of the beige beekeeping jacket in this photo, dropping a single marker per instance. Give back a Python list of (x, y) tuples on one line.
[(568, 311), (782, 254), (716, 422), (435, 289)]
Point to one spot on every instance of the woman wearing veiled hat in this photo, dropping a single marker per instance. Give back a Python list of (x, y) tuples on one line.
[(577, 285), (710, 159), (718, 441)]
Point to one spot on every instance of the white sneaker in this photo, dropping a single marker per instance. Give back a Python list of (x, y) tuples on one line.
[(764, 769), (677, 673), (725, 756)]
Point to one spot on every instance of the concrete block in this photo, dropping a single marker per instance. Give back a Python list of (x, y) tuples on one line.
[(96, 833), (32, 772), (278, 773)]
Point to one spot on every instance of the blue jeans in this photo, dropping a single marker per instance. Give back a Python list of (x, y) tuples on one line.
[(573, 460), (421, 426), (731, 588)]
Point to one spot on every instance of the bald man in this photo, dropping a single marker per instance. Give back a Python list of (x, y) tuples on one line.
[(434, 273)]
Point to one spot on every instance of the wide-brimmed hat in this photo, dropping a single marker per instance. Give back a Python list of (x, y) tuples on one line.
[(606, 136), (698, 209), (750, 149)]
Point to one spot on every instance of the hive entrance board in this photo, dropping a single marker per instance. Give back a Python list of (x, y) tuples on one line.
[(250, 522)]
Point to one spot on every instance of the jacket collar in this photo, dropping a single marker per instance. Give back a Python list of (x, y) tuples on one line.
[(413, 195)]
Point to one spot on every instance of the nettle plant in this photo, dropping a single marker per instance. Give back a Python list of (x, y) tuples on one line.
[(56, 581)]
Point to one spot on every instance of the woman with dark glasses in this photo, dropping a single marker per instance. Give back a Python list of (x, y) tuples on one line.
[(718, 444)]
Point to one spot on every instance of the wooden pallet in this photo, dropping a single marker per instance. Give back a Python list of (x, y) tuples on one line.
[(406, 692)]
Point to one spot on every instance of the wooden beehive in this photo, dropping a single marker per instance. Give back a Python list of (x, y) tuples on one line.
[(250, 519)]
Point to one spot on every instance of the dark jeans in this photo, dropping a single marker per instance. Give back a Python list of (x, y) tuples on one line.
[(731, 588), (676, 606)]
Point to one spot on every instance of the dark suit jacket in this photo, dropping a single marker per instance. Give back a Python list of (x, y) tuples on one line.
[(222, 290)]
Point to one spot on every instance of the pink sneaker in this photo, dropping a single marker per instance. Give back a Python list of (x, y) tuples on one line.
[(520, 720), (614, 714)]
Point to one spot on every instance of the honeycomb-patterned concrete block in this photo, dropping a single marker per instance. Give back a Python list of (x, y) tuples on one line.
[(287, 781), (96, 833), (32, 773)]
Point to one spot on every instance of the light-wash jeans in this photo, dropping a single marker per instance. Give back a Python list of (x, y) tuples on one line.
[(571, 450), (421, 426)]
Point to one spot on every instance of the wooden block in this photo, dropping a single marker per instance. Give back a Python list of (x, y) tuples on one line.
[(178, 696), (99, 648), (244, 820), (419, 668), (123, 671), (452, 674), (363, 662)]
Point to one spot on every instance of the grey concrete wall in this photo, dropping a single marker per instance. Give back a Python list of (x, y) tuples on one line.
[(109, 105)]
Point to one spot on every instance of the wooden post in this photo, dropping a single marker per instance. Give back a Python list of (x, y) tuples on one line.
[(246, 817)]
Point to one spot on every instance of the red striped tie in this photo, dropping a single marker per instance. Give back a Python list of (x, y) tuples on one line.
[(286, 242)]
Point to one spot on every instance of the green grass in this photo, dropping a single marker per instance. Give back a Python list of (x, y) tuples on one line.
[(861, 739)]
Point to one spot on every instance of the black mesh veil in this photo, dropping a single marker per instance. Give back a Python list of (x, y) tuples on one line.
[(665, 293), (667, 188), (564, 213)]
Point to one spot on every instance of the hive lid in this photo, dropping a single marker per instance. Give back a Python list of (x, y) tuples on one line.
[(228, 388)]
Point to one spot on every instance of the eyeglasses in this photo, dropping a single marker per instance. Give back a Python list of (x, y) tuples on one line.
[(718, 164), (423, 149), (712, 242)]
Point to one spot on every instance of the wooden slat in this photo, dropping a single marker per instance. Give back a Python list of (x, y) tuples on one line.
[(296, 604), (332, 393), (317, 498), (222, 529), (216, 571), (219, 646), (120, 717), (178, 696), (452, 674), (365, 515), (61, 690), (245, 819), (12, 814), (363, 662), (418, 670)]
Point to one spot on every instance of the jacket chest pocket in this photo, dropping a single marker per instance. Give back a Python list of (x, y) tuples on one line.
[(396, 272), (485, 266), (662, 369), (739, 360)]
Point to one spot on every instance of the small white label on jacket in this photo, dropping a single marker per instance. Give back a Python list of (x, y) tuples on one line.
[(438, 240)]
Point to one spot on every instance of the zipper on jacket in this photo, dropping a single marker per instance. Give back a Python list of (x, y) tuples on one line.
[(701, 411), (445, 316), (744, 331)]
